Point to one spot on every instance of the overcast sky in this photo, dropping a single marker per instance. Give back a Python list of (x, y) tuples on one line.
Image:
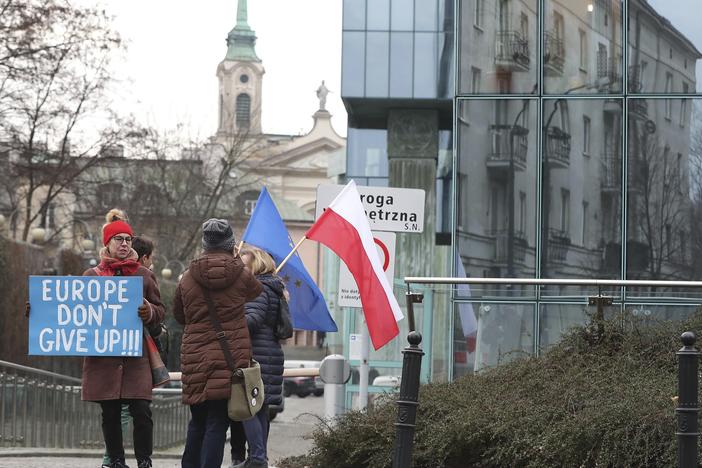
[(174, 47)]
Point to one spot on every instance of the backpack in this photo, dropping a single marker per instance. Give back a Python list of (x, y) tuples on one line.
[(283, 324)]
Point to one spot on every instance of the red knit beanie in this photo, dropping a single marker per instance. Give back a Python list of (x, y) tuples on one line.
[(110, 230)]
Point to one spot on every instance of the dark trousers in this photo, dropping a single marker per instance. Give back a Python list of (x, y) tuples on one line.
[(143, 428), (207, 433), (258, 431), (237, 440)]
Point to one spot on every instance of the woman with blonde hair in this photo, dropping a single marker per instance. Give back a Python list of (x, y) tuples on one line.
[(261, 318)]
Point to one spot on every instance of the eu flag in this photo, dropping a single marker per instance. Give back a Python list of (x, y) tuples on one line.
[(267, 231)]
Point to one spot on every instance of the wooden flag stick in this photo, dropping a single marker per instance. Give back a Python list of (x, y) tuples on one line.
[(238, 247), (285, 260)]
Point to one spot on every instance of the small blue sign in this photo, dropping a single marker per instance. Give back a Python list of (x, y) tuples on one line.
[(85, 315)]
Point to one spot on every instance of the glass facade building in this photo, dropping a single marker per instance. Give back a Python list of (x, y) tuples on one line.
[(573, 150)]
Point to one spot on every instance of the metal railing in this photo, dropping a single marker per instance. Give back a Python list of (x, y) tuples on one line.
[(44, 409), (688, 403)]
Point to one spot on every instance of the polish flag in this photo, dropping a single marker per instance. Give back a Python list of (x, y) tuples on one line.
[(344, 228)]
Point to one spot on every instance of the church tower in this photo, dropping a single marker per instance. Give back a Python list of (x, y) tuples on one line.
[(240, 77)]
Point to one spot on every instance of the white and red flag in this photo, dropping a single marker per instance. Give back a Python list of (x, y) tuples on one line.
[(344, 228)]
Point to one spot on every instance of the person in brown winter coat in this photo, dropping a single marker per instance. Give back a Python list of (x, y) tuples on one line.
[(114, 381), (205, 374)]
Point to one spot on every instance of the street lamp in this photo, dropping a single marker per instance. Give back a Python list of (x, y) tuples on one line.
[(167, 273)]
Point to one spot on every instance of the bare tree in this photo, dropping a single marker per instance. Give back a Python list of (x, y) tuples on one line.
[(169, 185), (659, 209), (56, 78)]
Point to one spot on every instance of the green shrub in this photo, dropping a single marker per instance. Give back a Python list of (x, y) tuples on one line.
[(595, 399)]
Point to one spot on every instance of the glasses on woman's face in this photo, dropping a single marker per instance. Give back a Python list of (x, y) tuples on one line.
[(119, 239)]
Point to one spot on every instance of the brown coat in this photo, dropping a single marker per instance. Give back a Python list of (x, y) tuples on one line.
[(205, 372), (111, 378)]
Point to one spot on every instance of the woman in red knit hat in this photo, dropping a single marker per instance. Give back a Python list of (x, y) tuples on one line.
[(113, 381)]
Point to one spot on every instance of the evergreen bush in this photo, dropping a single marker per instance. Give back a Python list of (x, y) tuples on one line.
[(597, 398)]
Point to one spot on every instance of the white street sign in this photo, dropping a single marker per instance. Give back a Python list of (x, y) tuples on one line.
[(348, 291), (387, 208)]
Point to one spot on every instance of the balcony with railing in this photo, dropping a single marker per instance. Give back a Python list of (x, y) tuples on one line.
[(609, 72), (558, 245), (554, 54), (610, 178), (634, 84), (512, 51), (520, 246), (557, 148), (508, 146)]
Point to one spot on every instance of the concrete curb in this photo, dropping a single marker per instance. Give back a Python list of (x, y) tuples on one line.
[(73, 453)]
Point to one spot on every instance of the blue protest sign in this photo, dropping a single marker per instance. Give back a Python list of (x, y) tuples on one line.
[(85, 315)]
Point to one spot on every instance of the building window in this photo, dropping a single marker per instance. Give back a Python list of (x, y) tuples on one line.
[(475, 80), (479, 10), (109, 195), (642, 78), (683, 112), (586, 135), (683, 246), (565, 211), (668, 89), (249, 207), (522, 212), (583, 51), (679, 173), (524, 26), (243, 111), (583, 233)]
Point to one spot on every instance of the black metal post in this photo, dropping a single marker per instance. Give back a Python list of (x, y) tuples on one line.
[(688, 406), (409, 391)]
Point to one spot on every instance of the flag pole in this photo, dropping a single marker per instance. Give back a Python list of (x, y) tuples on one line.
[(285, 260), (238, 247)]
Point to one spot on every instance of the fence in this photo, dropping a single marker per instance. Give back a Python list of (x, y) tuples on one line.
[(44, 409), (687, 411)]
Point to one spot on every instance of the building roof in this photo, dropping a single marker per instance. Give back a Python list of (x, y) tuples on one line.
[(241, 40)]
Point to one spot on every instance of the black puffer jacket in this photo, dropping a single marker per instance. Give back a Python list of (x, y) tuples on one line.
[(261, 316)]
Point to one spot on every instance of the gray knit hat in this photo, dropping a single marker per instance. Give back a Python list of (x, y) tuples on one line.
[(217, 234)]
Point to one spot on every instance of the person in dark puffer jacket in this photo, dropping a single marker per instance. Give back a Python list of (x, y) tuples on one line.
[(261, 318)]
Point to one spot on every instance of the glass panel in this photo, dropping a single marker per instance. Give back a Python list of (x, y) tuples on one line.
[(402, 12), (401, 64), (664, 46), (582, 194), (496, 200), (557, 319), (354, 14), (503, 333), (664, 217), (377, 66), (425, 65), (582, 46), (444, 176), (367, 153), (652, 313), (425, 15), (353, 63), (379, 15), (498, 37)]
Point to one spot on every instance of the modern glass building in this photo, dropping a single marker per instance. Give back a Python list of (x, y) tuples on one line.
[(569, 147)]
